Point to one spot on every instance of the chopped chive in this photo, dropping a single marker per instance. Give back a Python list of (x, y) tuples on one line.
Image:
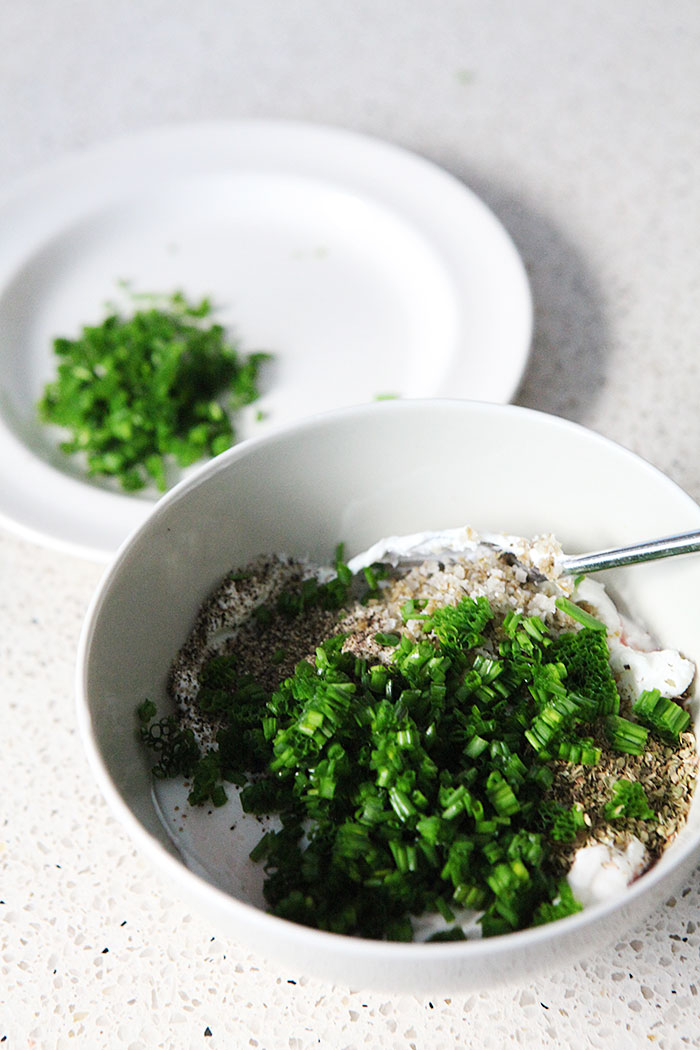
[(579, 752), (628, 799), (661, 715), (146, 711), (387, 638), (625, 736), (577, 613), (150, 390), (411, 610), (567, 823)]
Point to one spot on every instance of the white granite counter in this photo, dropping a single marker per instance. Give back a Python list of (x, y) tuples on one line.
[(579, 124)]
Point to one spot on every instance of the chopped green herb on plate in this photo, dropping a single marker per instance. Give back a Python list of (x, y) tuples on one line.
[(148, 389)]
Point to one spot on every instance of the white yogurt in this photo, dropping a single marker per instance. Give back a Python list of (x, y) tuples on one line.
[(601, 871), (636, 662)]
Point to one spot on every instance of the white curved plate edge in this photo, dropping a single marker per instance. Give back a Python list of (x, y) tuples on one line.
[(49, 507)]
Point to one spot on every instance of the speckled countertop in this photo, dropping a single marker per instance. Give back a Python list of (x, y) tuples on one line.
[(579, 124)]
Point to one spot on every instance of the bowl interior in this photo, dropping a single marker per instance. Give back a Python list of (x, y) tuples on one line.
[(354, 476)]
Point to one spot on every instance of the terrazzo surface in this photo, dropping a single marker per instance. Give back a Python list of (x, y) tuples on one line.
[(579, 125)]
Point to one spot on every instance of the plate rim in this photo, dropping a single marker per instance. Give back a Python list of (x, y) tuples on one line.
[(229, 137)]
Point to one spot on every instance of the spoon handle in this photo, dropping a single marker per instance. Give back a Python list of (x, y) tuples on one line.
[(683, 543)]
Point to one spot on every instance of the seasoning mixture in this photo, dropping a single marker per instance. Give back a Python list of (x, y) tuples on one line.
[(454, 749)]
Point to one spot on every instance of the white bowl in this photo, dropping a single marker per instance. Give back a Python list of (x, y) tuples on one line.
[(356, 475)]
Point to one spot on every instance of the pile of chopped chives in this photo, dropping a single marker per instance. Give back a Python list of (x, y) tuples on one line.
[(419, 785), (155, 388)]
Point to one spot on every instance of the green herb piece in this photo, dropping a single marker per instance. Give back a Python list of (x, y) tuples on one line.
[(175, 746), (628, 799), (663, 716), (586, 658), (564, 904), (625, 736), (501, 795), (567, 823), (387, 638), (551, 721), (143, 391), (459, 627), (206, 781), (455, 933), (332, 594), (411, 610), (146, 712), (579, 752), (577, 613)]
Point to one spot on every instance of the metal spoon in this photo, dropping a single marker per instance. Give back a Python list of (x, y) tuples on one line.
[(681, 543), (570, 564)]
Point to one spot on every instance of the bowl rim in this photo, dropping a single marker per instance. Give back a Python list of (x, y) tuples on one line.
[(197, 886)]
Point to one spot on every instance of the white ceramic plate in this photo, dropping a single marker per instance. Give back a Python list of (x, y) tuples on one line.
[(364, 269)]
